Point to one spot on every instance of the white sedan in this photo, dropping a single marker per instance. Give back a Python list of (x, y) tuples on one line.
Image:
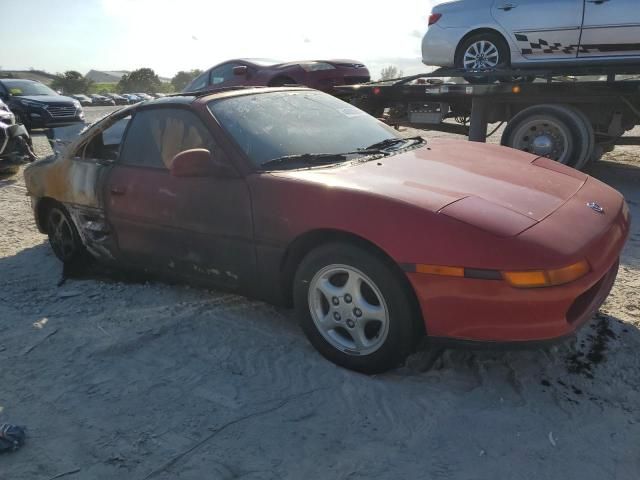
[(486, 34)]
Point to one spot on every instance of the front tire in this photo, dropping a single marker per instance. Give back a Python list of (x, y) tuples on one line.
[(63, 236), (354, 308)]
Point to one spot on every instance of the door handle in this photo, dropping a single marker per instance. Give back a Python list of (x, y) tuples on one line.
[(507, 6), (118, 190)]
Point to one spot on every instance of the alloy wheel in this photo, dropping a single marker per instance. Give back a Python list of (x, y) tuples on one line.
[(481, 55), (348, 310)]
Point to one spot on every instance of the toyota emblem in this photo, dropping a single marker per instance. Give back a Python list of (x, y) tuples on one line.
[(595, 207)]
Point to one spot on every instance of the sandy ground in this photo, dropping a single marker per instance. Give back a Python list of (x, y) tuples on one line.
[(147, 380)]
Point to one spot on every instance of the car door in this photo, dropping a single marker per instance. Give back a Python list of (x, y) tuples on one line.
[(541, 29), (199, 226), (611, 28)]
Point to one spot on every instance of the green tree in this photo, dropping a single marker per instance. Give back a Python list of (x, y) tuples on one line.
[(142, 80), (390, 72), (183, 78), (71, 82)]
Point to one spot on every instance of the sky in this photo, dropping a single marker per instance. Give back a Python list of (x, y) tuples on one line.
[(169, 36)]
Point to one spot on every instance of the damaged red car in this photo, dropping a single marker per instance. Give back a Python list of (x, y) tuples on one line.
[(292, 196)]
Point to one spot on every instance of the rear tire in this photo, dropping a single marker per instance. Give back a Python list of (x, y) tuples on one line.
[(354, 309), (589, 135), (482, 51), (553, 131)]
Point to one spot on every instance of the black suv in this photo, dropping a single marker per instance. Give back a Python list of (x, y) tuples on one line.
[(37, 106)]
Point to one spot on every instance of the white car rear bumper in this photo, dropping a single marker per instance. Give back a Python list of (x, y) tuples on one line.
[(439, 45)]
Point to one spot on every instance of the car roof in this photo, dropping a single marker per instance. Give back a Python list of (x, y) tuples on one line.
[(212, 94), (261, 62), (225, 92), (2, 80)]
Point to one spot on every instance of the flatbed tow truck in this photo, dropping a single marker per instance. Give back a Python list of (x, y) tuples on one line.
[(570, 114)]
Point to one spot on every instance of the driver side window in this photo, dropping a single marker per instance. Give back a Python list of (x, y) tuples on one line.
[(106, 145), (222, 74), (157, 135)]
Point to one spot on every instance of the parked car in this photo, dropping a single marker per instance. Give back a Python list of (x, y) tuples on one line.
[(143, 96), (37, 106), (15, 143), (319, 74), (296, 197), (131, 99), (83, 99), (118, 99), (101, 100), (485, 34), (6, 116)]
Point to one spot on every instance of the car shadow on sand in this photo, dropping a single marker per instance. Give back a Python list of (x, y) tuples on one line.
[(119, 362)]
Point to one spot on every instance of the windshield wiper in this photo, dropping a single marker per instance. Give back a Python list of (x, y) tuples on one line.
[(390, 142), (308, 158)]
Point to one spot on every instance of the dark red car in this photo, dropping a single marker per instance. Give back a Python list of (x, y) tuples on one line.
[(319, 74), (296, 197)]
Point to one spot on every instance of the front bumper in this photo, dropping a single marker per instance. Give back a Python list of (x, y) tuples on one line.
[(43, 118), (477, 310)]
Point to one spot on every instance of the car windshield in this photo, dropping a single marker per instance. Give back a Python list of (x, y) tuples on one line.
[(273, 125), (21, 88)]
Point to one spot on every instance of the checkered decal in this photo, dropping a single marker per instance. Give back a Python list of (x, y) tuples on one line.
[(542, 46)]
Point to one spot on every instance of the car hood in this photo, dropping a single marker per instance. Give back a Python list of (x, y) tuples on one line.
[(47, 98), (500, 180)]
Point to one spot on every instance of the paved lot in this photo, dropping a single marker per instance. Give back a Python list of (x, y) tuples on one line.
[(147, 380)]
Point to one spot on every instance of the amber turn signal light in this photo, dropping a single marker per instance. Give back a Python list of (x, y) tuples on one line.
[(547, 278), (440, 270)]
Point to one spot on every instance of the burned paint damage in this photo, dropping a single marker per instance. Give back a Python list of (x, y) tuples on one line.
[(94, 230), (200, 228), (77, 183)]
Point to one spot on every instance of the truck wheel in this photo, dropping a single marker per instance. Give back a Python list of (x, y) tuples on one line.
[(553, 131), (483, 51), (590, 136), (354, 309)]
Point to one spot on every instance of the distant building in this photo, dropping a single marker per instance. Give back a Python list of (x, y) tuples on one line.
[(37, 75), (99, 76)]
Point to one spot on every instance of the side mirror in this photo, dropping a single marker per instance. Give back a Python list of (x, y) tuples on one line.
[(240, 70), (198, 162)]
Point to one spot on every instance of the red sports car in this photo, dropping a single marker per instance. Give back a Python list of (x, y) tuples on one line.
[(295, 197), (322, 75)]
